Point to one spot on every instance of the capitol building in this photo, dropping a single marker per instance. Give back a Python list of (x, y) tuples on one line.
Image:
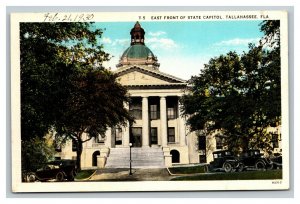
[(159, 137)]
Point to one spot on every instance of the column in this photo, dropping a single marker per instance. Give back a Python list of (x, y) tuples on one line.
[(108, 135), (181, 125), (145, 118), (126, 130), (163, 121)]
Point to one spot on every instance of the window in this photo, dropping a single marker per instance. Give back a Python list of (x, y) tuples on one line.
[(153, 112), (154, 135), (219, 142), (171, 113), (135, 108), (275, 139), (202, 143), (172, 105), (118, 136), (100, 139), (57, 147), (171, 135)]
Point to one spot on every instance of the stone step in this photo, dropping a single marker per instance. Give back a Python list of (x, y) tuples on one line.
[(141, 157), (136, 155)]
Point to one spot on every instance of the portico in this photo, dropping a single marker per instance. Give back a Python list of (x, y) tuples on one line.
[(157, 122)]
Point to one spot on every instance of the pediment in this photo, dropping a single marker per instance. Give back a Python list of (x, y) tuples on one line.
[(140, 76)]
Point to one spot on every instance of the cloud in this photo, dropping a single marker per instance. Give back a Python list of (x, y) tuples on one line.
[(106, 40), (237, 42), (122, 42), (156, 34), (161, 43), (182, 67)]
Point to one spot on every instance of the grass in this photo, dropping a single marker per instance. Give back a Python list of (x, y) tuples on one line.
[(187, 170), (248, 175), (83, 174)]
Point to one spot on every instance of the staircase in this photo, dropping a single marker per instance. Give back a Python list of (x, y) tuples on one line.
[(149, 157)]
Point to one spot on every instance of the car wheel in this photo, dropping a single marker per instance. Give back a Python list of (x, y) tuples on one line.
[(270, 165), (59, 176), (210, 168), (72, 175), (31, 177), (260, 165), (227, 167), (241, 167)]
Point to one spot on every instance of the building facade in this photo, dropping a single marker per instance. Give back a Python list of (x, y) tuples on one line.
[(159, 136)]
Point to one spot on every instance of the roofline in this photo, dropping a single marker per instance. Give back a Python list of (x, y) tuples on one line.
[(157, 86), (157, 72)]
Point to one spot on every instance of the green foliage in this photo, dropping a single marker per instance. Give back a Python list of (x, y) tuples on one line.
[(51, 57), (35, 152), (239, 95), (63, 84), (84, 174)]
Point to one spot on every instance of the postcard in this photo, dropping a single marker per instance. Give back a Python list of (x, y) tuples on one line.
[(149, 101)]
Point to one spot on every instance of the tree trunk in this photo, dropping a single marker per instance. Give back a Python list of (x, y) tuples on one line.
[(79, 151), (245, 143)]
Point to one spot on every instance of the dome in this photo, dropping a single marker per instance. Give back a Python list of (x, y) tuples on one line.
[(137, 52)]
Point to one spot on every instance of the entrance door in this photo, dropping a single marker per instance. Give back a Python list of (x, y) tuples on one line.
[(95, 154), (136, 136)]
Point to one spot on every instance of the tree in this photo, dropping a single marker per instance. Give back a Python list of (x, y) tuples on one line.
[(63, 84), (50, 54), (239, 95), (35, 152), (95, 103)]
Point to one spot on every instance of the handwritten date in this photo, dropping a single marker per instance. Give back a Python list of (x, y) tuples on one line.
[(54, 17)]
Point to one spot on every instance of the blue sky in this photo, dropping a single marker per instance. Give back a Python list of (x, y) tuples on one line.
[(182, 48)]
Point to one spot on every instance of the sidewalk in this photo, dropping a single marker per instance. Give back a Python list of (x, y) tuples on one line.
[(153, 174)]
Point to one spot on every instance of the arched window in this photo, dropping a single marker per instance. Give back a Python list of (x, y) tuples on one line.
[(95, 154), (175, 156)]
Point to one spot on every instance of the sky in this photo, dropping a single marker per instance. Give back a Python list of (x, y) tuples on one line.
[(182, 48)]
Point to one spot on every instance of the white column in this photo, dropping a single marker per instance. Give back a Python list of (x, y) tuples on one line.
[(145, 118), (182, 132), (126, 130), (108, 135), (163, 121)]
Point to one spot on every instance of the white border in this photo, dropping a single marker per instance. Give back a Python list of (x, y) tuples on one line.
[(18, 186)]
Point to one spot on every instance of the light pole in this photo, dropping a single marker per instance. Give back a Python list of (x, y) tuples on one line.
[(130, 145)]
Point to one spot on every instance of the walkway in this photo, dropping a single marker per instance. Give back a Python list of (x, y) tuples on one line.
[(122, 174)]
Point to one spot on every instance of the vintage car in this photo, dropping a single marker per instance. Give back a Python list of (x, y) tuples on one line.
[(253, 159), (58, 170), (277, 160), (224, 161)]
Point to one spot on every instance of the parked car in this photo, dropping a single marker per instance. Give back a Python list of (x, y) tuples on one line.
[(58, 170), (277, 161), (255, 160), (224, 161)]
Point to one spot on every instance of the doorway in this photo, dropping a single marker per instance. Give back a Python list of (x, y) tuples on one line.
[(135, 136), (95, 154), (175, 156)]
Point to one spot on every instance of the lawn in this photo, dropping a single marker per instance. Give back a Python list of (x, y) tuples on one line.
[(84, 174), (247, 175), (187, 170)]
